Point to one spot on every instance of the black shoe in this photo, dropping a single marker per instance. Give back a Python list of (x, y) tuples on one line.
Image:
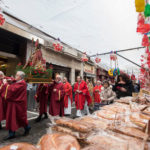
[(27, 131), (38, 119), (0, 126), (9, 138), (45, 116)]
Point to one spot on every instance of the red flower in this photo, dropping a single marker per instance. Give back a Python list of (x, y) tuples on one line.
[(19, 64), (35, 72), (30, 64), (145, 41)]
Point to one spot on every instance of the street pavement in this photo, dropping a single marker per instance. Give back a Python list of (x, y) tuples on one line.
[(37, 130)]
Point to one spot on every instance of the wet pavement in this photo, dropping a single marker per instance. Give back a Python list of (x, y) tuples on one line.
[(37, 130)]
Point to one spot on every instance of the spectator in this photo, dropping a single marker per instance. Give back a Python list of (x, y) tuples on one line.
[(123, 86), (107, 94)]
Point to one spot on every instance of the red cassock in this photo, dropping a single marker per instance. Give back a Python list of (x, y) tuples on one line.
[(80, 97), (56, 99), (96, 93), (42, 97), (2, 102), (16, 97), (67, 94)]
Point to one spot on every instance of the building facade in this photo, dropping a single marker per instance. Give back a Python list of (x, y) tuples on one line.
[(16, 46)]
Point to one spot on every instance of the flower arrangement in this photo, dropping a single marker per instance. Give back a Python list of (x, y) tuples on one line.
[(35, 72), (35, 68)]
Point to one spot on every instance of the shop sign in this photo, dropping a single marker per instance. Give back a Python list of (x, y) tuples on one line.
[(89, 69)]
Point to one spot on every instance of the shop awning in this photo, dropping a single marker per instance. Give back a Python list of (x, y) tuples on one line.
[(89, 75)]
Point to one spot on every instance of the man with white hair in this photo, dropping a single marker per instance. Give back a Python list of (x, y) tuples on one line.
[(16, 97), (56, 89), (96, 94)]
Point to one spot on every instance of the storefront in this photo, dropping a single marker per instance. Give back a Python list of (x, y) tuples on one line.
[(66, 66), (102, 74), (12, 51), (63, 71), (89, 72)]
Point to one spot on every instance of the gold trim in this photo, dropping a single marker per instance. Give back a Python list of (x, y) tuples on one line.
[(59, 92), (1, 86), (6, 92)]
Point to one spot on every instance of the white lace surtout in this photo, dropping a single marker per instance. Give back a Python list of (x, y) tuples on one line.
[(67, 111)]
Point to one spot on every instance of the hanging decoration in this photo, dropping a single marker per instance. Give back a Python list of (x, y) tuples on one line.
[(143, 27), (147, 10), (110, 72), (140, 5), (2, 20), (141, 20), (57, 46), (113, 56), (133, 77), (84, 57), (145, 40), (113, 72), (97, 60)]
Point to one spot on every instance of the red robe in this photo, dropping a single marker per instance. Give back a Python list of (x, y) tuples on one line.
[(96, 93), (2, 102), (16, 96), (68, 93), (56, 106), (80, 97), (42, 97)]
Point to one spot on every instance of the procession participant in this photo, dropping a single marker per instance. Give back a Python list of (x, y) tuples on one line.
[(80, 89), (67, 97), (2, 103), (16, 97), (42, 98), (89, 94), (56, 107), (96, 93)]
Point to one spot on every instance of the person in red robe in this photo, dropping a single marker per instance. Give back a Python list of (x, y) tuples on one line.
[(56, 107), (16, 97), (42, 98), (81, 90), (68, 99), (2, 103), (96, 94)]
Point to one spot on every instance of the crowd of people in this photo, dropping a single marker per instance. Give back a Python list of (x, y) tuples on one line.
[(60, 94)]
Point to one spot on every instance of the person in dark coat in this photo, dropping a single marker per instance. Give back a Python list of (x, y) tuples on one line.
[(123, 86)]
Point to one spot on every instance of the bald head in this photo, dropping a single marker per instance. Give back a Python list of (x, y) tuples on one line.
[(20, 75), (98, 82), (58, 78), (65, 80)]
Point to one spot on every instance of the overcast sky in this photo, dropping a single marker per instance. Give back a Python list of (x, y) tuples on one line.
[(94, 26)]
